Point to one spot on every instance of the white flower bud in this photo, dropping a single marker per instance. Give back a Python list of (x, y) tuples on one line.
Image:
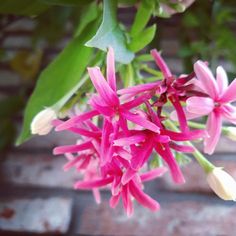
[(222, 184), (41, 123), (231, 133)]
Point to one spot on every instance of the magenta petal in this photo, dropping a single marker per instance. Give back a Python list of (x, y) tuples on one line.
[(139, 120), (128, 205), (116, 186), (103, 109), (111, 73), (139, 88), (102, 87), (214, 123), (161, 64), (114, 200), (127, 141), (166, 154), (191, 135), (93, 183), (73, 162), (152, 174), (229, 95), (105, 144), (123, 153), (136, 101), (207, 79), (128, 175), (80, 118), (180, 113), (143, 198), (72, 148)]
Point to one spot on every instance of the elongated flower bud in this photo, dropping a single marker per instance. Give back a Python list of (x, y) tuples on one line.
[(42, 122), (222, 184)]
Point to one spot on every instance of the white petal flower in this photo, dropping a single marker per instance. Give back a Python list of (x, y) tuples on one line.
[(222, 184), (42, 122)]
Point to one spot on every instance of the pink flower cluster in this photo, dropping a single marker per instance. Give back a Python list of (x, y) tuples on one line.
[(115, 151)]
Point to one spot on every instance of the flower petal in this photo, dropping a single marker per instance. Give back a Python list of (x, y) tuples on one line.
[(102, 87), (199, 105), (93, 183), (164, 151), (152, 174), (73, 121), (207, 79), (72, 148), (143, 198), (229, 113), (139, 120), (221, 79), (111, 73), (161, 63), (229, 94), (127, 141), (127, 203), (213, 127)]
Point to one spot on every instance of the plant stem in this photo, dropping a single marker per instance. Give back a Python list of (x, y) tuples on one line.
[(201, 159), (152, 72)]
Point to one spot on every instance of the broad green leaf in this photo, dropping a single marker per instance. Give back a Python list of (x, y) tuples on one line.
[(59, 81), (142, 17), (142, 39), (22, 7), (110, 34), (89, 14)]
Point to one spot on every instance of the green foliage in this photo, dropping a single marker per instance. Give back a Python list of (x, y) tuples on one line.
[(10, 107), (142, 17), (110, 34), (142, 39), (208, 33), (60, 80)]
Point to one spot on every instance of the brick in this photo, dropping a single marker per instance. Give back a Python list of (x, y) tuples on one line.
[(36, 215), (170, 47), (9, 78), (195, 177), (49, 141), (37, 170), (200, 216)]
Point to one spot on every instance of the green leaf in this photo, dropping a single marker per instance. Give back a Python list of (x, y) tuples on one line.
[(89, 14), (22, 7), (142, 39), (110, 34), (58, 82), (142, 17)]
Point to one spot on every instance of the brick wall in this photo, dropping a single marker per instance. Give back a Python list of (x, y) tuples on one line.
[(36, 196)]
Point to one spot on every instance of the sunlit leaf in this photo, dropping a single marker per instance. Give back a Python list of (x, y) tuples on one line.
[(110, 34), (142, 39)]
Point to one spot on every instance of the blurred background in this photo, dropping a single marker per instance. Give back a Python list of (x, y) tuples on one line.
[(36, 196)]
